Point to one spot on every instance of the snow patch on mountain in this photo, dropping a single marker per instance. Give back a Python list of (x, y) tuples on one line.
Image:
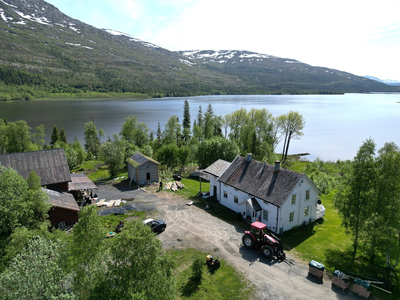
[(131, 38), (225, 56), (8, 4), (186, 62), (385, 81)]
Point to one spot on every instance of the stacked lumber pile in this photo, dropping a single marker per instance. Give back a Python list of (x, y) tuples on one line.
[(174, 186)]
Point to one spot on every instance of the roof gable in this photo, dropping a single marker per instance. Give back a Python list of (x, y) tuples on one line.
[(50, 165), (139, 159), (62, 200), (261, 180), (217, 168)]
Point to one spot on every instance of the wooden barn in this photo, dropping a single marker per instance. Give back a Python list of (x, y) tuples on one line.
[(50, 165), (142, 169), (64, 210)]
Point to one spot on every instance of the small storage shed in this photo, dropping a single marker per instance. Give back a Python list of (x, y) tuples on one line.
[(142, 169), (64, 208)]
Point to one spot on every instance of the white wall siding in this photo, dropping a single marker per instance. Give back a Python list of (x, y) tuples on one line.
[(214, 182), (299, 207)]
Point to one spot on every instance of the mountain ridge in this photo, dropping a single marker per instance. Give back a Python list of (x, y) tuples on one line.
[(44, 49)]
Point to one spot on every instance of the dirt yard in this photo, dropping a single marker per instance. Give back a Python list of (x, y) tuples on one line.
[(192, 227)]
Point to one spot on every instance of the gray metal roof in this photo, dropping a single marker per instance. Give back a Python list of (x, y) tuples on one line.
[(50, 165), (260, 180), (217, 168), (62, 200), (80, 182)]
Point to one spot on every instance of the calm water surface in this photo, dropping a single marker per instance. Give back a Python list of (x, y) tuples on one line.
[(336, 125)]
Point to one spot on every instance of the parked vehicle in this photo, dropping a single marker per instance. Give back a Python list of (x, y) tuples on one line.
[(156, 225), (258, 237)]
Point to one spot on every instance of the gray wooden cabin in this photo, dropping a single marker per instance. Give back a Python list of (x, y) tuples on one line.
[(142, 169)]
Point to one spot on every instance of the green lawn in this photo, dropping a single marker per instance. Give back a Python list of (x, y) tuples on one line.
[(312, 241), (224, 283)]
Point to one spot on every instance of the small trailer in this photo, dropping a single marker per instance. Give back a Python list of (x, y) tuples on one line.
[(317, 269), (341, 280)]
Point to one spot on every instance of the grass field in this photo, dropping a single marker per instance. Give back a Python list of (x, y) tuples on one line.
[(224, 283)]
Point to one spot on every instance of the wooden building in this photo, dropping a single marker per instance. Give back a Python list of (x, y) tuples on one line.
[(64, 208), (50, 165), (142, 169)]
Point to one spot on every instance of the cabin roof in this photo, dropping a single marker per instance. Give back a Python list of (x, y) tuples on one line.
[(62, 200), (51, 165), (139, 159), (80, 182), (217, 168)]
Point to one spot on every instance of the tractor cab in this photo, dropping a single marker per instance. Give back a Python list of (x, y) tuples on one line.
[(259, 230), (259, 237)]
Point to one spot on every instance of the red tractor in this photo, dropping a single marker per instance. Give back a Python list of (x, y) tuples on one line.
[(258, 237)]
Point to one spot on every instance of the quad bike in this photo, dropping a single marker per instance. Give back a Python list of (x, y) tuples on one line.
[(258, 237), (212, 263)]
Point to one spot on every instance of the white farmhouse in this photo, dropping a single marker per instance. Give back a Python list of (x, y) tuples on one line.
[(279, 198)]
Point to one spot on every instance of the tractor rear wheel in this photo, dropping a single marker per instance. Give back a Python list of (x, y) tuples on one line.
[(267, 251), (248, 241)]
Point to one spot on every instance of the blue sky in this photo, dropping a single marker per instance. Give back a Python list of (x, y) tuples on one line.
[(358, 36)]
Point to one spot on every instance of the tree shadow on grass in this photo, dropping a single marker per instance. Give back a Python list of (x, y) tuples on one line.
[(292, 238), (191, 286)]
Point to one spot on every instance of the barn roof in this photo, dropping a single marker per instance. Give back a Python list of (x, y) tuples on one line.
[(139, 159), (80, 182), (50, 165), (62, 200), (261, 180), (217, 168)]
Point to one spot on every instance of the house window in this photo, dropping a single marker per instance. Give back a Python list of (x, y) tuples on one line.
[(265, 215), (147, 176), (307, 194), (225, 194), (293, 199), (291, 217), (235, 199), (306, 209)]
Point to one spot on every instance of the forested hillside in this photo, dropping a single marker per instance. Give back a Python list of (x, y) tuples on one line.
[(44, 52)]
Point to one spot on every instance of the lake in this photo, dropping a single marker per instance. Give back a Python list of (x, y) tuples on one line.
[(336, 125)]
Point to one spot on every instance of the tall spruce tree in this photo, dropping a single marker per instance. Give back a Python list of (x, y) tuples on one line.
[(55, 136), (63, 136), (186, 121)]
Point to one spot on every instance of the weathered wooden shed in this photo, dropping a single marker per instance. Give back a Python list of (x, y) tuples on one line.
[(50, 165), (64, 208), (142, 169)]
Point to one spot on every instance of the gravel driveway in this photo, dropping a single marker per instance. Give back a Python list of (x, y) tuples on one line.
[(192, 227)]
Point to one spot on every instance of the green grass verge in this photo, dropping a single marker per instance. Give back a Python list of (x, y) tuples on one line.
[(312, 241), (224, 283)]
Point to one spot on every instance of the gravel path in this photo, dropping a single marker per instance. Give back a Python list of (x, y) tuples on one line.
[(192, 227)]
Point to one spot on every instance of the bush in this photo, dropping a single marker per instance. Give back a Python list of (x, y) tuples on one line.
[(197, 268)]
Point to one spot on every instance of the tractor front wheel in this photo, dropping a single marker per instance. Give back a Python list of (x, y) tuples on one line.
[(248, 241), (267, 251)]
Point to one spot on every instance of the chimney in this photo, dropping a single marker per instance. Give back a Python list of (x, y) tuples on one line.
[(248, 157), (277, 165)]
